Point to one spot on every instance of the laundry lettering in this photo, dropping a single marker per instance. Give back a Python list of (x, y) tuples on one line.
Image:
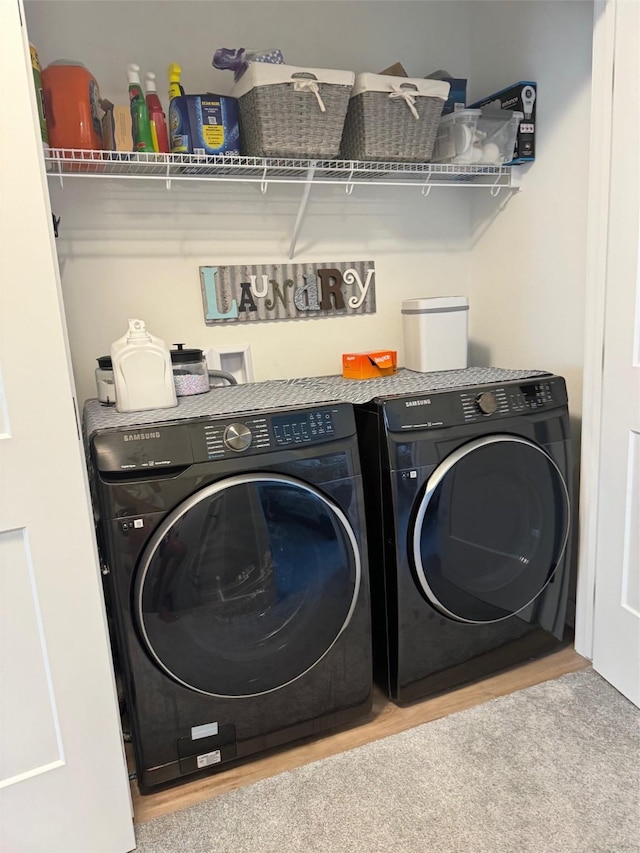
[(288, 291)]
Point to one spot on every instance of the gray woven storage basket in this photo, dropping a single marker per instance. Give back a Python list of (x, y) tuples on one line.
[(278, 121), (379, 127)]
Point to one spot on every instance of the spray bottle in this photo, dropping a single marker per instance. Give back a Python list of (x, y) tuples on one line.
[(140, 122), (156, 115)]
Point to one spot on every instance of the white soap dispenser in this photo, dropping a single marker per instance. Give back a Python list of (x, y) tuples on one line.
[(142, 371)]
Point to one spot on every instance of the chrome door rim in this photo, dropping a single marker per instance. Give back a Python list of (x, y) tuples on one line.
[(434, 481), (188, 504)]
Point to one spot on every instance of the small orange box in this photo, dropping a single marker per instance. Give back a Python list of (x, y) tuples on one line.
[(369, 365)]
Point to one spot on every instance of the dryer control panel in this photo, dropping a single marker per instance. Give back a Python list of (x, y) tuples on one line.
[(474, 404), (509, 399)]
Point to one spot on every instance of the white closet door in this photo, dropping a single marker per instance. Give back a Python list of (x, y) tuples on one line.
[(63, 780), (616, 636)]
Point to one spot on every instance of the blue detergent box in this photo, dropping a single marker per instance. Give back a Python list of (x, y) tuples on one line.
[(457, 91), (204, 124)]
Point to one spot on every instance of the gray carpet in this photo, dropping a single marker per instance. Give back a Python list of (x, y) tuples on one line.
[(551, 769)]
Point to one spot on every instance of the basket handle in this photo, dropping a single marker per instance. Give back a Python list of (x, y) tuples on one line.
[(306, 82), (404, 92)]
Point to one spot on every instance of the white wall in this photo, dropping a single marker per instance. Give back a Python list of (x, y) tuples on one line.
[(361, 35), (134, 249), (529, 266), (155, 274)]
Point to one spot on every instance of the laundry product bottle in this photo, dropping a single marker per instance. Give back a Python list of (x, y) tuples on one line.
[(72, 106), (140, 122), (176, 89), (142, 371), (156, 115), (179, 125)]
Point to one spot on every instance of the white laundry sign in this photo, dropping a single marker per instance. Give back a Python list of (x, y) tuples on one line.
[(245, 293)]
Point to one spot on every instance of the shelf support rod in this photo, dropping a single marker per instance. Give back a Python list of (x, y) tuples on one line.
[(426, 187), (497, 186), (302, 207), (349, 187)]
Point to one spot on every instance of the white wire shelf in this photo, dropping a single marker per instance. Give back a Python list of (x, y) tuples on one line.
[(76, 163), (63, 163)]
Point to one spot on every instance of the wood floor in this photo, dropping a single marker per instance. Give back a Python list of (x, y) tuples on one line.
[(385, 719)]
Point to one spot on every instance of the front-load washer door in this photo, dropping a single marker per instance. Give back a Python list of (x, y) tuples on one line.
[(246, 585), (490, 529)]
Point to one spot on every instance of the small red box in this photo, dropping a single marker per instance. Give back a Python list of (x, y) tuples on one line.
[(369, 365)]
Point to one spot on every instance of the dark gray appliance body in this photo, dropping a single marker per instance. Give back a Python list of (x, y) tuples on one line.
[(468, 511), (236, 580)]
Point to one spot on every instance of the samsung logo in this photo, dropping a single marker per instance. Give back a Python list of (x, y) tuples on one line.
[(141, 436), (425, 402)]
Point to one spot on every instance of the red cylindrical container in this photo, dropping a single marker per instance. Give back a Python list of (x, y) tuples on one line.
[(72, 106)]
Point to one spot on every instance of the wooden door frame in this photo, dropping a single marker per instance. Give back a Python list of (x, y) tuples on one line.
[(595, 293)]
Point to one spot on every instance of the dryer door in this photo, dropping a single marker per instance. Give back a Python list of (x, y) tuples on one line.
[(490, 529), (247, 584)]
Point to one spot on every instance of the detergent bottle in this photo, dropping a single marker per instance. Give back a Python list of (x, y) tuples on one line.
[(72, 106), (156, 115), (140, 122), (142, 371), (175, 87), (179, 124)]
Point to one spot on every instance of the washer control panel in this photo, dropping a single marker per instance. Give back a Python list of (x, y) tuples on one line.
[(230, 437), (237, 437), (143, 449), (247, 435), (303, 427)]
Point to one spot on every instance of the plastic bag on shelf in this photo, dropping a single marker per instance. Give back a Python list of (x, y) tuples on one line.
[(237, 59)]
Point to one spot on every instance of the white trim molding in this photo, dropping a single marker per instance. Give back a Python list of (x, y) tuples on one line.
[(595, 290)]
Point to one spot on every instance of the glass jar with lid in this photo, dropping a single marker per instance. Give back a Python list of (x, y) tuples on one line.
[(190, 374), (105, 382)]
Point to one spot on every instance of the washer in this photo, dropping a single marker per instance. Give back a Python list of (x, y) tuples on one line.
[(235, 572), (469, 513)]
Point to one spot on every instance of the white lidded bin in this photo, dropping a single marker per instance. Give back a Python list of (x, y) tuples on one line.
[(435, 333)]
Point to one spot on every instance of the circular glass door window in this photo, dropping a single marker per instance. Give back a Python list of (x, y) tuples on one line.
[(490, 529), (247, 585)]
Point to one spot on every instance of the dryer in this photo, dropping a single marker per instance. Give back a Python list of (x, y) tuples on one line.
[(235, 568), (469, 512)]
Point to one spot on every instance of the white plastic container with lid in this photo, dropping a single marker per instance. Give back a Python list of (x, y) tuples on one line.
[(435, 333), (142, 371), (477, 137)]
